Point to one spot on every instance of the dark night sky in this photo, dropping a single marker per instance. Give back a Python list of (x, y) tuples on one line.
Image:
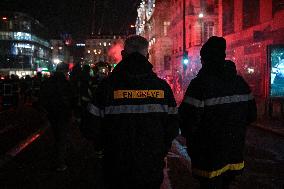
[(75, 16)]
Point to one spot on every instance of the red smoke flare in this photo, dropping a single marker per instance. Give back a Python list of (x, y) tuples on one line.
[(115, 51)]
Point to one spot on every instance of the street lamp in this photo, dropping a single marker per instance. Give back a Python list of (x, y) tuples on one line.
[(200, 16), (184, 31), (56, 61)]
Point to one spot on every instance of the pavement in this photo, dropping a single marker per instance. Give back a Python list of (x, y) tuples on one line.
[(274, 125), (177, 172)]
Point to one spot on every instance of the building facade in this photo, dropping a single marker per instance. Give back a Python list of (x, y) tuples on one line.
[(251, 28), (162, 23), (201, 22), (78, 51), (97, 49), (156, 31), (153, 23), (24, 48), (60, 52)]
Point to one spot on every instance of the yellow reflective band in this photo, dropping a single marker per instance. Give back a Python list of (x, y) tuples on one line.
[(211, 174), (138, 94)]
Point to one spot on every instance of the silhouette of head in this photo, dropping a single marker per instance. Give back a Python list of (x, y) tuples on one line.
[(135, 43), (213, 50)]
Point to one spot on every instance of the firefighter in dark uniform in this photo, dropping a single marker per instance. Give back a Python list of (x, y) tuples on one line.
[(138, 115), (217, 107)]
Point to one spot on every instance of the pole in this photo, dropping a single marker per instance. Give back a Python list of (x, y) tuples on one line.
[(93, 19), (184, 32), (184, 49)]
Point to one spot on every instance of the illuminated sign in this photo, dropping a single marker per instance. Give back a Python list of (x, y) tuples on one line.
[(120, 94), (276, 54)]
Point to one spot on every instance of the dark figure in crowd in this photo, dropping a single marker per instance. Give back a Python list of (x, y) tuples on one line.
[(27, 89), (7, 100), (100, 72), (138, 115), (217, 108), (84, 94), (57, 97), (75, 79), (15, 81), (85, 82), (36, 85)]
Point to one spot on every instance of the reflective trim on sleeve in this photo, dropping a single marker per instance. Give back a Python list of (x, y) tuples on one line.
[(228, 99), (212, 174), (173, 110), (194, 102), (219, 100), (94, 110), (138, 109)]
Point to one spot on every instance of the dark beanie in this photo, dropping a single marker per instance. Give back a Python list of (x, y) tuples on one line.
[(214, 49)]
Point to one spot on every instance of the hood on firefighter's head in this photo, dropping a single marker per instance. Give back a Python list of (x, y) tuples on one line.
[(214, 51)]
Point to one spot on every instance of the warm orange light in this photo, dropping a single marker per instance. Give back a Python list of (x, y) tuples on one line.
[(132, 26), (4, 18)]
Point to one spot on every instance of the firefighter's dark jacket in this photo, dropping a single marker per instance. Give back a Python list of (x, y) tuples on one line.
[(138, 115), (217, 107)]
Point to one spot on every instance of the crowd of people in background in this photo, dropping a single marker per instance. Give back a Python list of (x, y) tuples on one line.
[(15, 90), (62, 96)]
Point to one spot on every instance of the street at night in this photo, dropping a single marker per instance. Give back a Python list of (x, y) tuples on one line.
[(34, 166), (142, 94)]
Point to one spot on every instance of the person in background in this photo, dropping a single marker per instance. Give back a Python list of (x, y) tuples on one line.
[(217, 107), (75, 79), (138, 116), (99, 73), (36, 85), (57, 98)]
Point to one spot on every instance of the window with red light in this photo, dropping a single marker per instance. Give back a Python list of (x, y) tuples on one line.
[(251, 11), (228, 17)]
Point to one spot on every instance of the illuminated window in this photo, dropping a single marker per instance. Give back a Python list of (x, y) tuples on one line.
[(22, 36), (166, 26), (208, 30), (228, 16)]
